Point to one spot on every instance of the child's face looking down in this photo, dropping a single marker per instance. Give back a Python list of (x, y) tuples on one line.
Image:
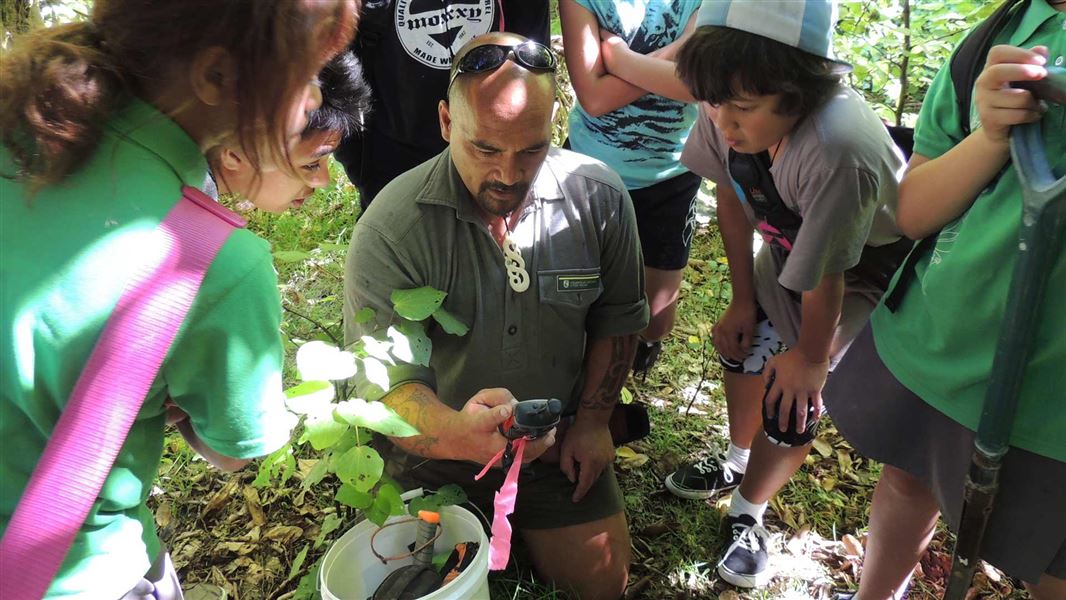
[(750, 124), (277, 189)]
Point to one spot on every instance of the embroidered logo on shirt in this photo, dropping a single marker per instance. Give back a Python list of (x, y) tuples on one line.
[(577, 283), (432, 32)]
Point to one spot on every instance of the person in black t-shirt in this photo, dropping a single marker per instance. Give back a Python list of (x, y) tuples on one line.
[(406, 47)]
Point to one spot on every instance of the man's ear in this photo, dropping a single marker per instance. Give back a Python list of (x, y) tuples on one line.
[(213, 76), (445, 120)]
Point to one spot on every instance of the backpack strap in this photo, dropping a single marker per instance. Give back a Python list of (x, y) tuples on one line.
[(110, 392), (969, 60), (966, 65), (779, 224)]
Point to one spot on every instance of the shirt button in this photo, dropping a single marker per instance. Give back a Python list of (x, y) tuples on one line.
[(512, 330), (1058, 61)]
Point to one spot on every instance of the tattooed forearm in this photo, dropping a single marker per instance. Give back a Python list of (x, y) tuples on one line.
[(608, 364), (417, 405)]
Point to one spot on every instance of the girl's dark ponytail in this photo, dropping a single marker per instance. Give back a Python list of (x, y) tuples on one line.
[(58, 86)]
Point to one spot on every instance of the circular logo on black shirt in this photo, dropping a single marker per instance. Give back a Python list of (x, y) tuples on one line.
[(432, 31)]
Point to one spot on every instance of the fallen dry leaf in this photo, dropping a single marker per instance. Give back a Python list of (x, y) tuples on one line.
[(255, 508), (220, 498), (852, 546), (628, 458), (283, 534), (823, 447), (163, 515)]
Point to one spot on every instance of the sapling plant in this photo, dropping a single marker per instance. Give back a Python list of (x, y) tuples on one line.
[(340, 426)]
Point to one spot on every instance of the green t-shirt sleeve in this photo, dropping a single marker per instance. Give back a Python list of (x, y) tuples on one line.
[(622, 308), (225, 367), (939, 128), (374, 269)]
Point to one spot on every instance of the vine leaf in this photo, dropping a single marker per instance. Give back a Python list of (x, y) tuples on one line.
[(320, 361), (449, 322), (360, 467), (410, 343), (375, 416), (349, 496), (417, 304)]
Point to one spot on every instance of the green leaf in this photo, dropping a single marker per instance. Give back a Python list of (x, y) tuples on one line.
[(417, 304), (448, 495), (307, 589), (360, 467), (378, 349), (319, 360), (309, 397), (271, 464), (322, 431), (316, 474), (449, 322), (386, 504), (298, 562), (349, 496), (290, 256), (376, 372), (330, 524), (363, 315), (410, 343), (375, 416), (626, 395)]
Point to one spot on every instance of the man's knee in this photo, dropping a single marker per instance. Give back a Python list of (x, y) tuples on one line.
[(595, 565), (902, 484), (1048, 588)]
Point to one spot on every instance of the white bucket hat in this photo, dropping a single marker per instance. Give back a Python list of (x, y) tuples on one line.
[(803, 24)]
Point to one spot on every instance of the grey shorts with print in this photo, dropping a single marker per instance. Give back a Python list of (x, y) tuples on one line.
[(765, 343)]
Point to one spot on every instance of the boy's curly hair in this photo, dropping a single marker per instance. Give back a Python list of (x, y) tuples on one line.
[(718, 64)]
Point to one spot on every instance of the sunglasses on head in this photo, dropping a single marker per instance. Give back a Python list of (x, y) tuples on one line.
[(529, 54)]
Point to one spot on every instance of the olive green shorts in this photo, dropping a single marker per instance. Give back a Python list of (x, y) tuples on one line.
[(544, 492)]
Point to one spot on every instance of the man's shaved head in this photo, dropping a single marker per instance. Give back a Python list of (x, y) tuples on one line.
[(498, 125)]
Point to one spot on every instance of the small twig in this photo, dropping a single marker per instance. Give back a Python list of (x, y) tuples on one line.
[(332, 337), (703, 377)]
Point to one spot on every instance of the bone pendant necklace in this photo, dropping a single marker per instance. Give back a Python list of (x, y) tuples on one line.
[(517, 276)]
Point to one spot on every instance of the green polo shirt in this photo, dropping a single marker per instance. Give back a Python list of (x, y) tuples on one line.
[(65, 255), (941, 341), (578, 237)]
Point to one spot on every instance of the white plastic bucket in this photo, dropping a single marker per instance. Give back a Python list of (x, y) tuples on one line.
[(350, 571)]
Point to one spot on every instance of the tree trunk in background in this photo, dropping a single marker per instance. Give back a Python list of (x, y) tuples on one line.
[(904, 65)]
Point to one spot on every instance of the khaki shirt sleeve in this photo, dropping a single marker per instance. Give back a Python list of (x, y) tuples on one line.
[(622, 308), (836, 223), (373, 270)]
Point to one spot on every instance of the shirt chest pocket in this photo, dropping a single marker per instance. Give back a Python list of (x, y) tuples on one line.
[(570, 287)]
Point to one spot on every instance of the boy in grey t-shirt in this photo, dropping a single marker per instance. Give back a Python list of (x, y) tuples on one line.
[(803, 160)]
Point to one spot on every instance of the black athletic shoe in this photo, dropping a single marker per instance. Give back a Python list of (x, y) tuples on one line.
[(646, 357), (746, 560), (704, 479)]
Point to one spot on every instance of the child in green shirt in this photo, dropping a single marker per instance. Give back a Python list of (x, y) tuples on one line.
[(910, 391), (103, 123)]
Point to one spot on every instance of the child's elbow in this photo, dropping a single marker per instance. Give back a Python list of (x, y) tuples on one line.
[(593, 106), (910, 220)]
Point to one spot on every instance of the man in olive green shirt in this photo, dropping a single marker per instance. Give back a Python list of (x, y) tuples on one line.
[(558, 321)]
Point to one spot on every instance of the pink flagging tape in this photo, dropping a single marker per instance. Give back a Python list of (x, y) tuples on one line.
[(503, 505)]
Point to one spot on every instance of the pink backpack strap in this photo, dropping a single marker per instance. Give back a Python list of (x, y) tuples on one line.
[(109, 394)]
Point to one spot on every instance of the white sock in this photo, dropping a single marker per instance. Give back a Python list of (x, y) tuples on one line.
[(739, 505), (737, 458)]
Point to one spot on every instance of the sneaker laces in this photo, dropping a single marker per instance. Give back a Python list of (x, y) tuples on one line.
[(716, 465), (709, 465), (750, 537)]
